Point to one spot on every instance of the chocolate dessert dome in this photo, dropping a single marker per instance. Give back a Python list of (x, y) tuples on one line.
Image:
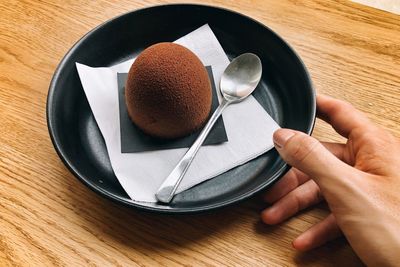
[(168, 92)]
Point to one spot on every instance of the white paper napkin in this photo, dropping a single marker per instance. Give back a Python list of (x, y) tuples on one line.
[(248, 126)]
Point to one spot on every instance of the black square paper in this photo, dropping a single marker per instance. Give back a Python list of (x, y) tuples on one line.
[(134, 140)]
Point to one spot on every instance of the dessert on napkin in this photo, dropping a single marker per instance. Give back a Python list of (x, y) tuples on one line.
[(168, 91), (248, 126)]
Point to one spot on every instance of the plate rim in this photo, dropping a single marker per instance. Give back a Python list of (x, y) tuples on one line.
[(136, 204)]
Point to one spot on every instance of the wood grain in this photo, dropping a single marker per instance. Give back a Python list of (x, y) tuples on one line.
[(48, 218)]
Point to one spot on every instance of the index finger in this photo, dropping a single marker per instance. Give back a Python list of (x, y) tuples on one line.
[(341, 115)]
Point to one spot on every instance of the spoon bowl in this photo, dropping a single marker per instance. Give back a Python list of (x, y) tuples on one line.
[(241, 77)]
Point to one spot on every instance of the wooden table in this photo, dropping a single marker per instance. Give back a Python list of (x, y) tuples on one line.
[(47, 217)]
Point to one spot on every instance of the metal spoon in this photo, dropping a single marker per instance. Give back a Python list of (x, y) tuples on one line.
[(238, 81)]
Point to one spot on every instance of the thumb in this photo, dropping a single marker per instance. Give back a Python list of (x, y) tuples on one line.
[(309, 156)]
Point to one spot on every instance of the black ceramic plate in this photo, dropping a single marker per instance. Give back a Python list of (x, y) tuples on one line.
[(285, 88)]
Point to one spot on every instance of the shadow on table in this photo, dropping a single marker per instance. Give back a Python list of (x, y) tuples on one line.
[(145, 231), (334, 253)]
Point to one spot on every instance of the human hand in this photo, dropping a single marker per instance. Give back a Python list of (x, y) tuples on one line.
[(360, 181)]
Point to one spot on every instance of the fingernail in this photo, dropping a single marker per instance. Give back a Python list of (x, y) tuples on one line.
[(281, 136)]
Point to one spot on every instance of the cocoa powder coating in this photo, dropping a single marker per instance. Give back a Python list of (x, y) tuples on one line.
[(168, 92)]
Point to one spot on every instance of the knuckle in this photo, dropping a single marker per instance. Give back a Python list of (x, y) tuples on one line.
[(309, 195), (346, 106), (298, 203), (377, 139), (300, 147), (341, 107)]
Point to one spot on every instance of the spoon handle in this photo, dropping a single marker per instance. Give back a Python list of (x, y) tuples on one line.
[(167, 190)]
